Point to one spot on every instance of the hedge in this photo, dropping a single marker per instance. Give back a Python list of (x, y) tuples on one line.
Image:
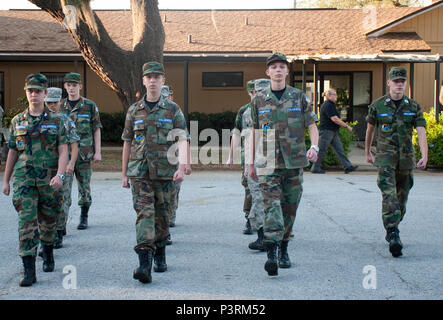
[(113, 124), (346, 137), (434, 134)]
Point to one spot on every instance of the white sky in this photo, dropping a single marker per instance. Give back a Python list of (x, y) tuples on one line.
[(171, 4)]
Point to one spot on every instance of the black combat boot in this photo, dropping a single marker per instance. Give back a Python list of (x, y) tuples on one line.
[(271, 266), (395, 245), (48, 258), (59, 240), (83, 218), (247, 229), (160, 260), (283, 256), (29, 276), (258, 244), (169, 240), (143, 272)]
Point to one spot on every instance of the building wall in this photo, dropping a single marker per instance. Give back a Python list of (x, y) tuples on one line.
[(429, 26), (16, 72)]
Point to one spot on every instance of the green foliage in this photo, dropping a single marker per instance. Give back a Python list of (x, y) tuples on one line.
[(434, 134), (216, 121), (113, 125), (346, 138), (11, 112)]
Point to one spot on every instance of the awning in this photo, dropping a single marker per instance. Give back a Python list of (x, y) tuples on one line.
[(400, 57)]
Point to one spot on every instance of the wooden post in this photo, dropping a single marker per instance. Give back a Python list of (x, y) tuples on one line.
[(316, 88), (186, 89), (411, 80), (303, 76), (437, 90)]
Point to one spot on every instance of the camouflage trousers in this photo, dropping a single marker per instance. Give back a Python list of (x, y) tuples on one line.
[(152, 203), (38, 208), (394, 185), (66, 191), (174, 201), (281, 193), (247, 202), (83, 174), (257, 211)]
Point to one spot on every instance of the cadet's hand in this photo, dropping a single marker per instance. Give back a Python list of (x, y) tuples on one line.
[(125, 182), (312, 155), (349, 128), (97, 157), (252, 172), (178, 176), (56, 182), (422, 163), (369, 158), (188, 169), (6, 189), (70, 168)]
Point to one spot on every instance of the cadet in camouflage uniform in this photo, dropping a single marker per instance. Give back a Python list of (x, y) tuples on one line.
[(151, 127), (393, 117), (86, 117), (281, 114), (237, 139), (168, 93), (53, 101), (253, 197), (37, 157)]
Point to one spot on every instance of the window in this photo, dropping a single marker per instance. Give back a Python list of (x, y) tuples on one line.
[(362, 88), (222, 80), (55, 79)]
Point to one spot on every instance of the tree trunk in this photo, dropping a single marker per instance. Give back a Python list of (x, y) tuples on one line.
[(120, 69)]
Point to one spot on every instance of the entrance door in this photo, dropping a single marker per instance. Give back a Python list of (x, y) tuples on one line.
[(342, 83)]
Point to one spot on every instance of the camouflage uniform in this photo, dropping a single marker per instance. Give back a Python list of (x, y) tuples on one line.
[(86, 118), (67, 183), (256, 213), (149, 169), (280, 166), (36, 139), (395, 153), (238, 127)]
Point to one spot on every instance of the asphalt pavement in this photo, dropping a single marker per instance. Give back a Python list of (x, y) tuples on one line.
[(338, 252)]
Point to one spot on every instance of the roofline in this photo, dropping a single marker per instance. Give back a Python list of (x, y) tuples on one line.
[(270, 9), (383, 29), (390, 56)]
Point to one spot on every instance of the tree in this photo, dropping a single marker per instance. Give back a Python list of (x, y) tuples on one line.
[(119, 69)]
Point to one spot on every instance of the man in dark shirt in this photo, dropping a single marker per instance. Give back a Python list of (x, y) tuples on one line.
[(330, 123)]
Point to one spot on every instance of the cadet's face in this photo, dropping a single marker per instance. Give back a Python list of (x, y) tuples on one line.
[(53, 106), (73, 88), (397, 87), (153, 82), (278, 71), (36, 96)]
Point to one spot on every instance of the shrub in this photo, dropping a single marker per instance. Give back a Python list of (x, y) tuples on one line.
[(113, 125), (434, 134), (216, 121)]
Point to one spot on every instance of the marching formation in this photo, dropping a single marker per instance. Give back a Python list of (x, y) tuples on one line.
[(55, 139)]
